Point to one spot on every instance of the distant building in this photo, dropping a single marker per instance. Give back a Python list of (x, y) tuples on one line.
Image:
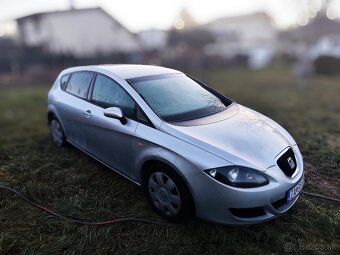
[(321, 36), (328, 45), (153, 39), (253, 36), (80, 32)]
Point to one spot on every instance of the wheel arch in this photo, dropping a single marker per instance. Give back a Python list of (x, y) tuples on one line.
[(151, 161), (52, 112), (50, 116)]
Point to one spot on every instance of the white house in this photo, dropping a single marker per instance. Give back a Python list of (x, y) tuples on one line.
[(253, 36), (80, 32)]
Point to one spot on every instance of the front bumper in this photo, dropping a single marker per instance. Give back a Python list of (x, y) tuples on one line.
[(220, 203)]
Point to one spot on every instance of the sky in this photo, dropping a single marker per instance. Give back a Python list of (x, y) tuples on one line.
[(139, 15)]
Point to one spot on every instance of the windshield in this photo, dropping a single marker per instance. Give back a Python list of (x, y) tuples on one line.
[(176, 97)]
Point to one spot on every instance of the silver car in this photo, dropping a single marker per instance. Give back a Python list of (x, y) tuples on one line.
[(193, 150)]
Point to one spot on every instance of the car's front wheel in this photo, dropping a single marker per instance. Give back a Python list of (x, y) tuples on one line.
[(168, 194), (57, 133)]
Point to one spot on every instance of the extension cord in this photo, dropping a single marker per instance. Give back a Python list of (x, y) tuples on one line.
[(78, 221), (4, 186)]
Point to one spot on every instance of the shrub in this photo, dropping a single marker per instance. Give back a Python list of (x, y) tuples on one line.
[(327, 65)]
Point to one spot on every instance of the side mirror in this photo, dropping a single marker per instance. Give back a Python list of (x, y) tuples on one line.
[(115, 113)]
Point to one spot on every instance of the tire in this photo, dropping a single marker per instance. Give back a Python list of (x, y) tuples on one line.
[(167, 193), (57, 133)]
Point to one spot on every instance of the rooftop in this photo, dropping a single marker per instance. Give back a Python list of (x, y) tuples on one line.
[(37, 16)]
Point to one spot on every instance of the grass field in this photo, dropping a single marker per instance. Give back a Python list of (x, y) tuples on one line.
[(70, 182)]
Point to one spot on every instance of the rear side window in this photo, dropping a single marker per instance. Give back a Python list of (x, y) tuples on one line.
[(107, 93), (79, 84), (63, 81)]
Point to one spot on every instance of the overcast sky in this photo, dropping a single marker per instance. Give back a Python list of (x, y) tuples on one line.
[(139, 15)]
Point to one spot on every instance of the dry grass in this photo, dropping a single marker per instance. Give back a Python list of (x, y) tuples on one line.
[(72, 183)]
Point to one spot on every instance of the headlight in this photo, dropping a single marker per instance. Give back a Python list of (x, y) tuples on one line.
[(238, 176)]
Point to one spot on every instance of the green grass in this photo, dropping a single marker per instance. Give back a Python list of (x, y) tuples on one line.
[(70, 182)]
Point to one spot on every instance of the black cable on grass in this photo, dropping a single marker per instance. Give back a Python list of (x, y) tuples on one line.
[(123, 219), (79, 221), (320, 196)]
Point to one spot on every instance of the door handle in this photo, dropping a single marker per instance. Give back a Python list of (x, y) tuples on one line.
[(88, 113)]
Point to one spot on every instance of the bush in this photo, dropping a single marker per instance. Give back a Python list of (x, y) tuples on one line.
[(327, 65)]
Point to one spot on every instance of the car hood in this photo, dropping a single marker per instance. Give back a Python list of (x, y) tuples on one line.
[(245, 137)]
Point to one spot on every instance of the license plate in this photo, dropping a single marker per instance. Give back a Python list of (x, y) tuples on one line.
[(294, 192)]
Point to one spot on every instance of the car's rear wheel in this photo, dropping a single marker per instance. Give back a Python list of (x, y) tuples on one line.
[(57, 133), (168, 194)]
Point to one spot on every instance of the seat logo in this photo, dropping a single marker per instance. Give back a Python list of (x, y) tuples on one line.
[(291, 162)]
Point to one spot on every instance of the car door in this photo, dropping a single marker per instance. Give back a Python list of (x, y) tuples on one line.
[(71, 105), (108, 139)]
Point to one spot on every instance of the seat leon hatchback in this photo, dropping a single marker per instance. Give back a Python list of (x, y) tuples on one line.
[(193, 150)]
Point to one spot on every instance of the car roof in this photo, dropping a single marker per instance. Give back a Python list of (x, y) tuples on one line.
[(128, 71)]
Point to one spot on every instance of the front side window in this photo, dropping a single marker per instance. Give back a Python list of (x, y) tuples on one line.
[(176, 97), (79, 84), (107, 93)]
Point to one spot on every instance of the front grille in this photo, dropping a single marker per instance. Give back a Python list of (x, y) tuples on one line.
[(287, 162), (248, 212)]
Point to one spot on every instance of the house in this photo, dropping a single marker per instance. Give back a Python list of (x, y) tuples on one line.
[(79, 32), (253, 36), (328, 45), (319, 37)]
